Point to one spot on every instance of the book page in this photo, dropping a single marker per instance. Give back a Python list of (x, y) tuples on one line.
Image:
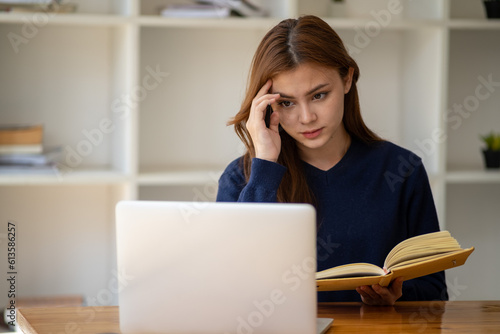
[(351, 270), (422, 259), (419, 239), (421, 246)]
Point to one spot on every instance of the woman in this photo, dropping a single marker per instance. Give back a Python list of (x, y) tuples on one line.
[(369, 193)]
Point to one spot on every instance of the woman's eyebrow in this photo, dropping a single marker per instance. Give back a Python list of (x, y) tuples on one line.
[(286, 96)]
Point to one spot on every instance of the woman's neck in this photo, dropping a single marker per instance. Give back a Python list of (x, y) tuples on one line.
[(326, 157)]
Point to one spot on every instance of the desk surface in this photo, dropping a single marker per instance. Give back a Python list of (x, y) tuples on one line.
[(417, 317)]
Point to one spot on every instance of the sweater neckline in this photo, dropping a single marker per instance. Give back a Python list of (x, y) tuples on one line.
[(350, 151)]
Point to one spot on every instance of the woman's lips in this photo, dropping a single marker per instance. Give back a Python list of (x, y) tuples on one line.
[(312, 134)]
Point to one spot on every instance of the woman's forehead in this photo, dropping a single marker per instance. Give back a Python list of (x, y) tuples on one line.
[(304, 78)]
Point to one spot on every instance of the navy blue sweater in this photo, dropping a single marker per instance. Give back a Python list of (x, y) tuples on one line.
[(375, 197)]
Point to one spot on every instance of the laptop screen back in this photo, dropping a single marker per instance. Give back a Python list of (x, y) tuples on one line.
[(216, 267)]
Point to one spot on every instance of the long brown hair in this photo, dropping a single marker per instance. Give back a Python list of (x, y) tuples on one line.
[(292, 42)]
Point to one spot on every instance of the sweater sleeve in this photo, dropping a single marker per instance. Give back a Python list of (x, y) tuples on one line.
[(422, 218), (265, 178)]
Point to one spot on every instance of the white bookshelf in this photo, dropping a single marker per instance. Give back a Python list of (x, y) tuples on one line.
[(131, 134)]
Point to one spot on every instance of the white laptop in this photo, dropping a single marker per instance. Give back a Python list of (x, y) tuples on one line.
[(225, 268)]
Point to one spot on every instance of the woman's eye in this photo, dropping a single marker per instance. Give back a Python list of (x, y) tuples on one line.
[(319, 96), (285, 104)]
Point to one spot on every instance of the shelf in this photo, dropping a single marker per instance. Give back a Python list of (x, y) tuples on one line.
[(43, 19), (472, 176), (231, 22), (62, 178), (179, 177), (473, 24), (367, 24), (266, 23)]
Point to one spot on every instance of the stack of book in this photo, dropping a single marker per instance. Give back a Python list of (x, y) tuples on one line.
[(50, 6), (213, 9), (22, 150)]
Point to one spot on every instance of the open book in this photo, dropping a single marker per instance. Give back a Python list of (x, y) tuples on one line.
[(414, 257)]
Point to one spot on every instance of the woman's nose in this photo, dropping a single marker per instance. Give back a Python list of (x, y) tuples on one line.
[(307, 115)]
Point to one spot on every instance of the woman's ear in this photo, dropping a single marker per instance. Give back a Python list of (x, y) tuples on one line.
[(348, 80)]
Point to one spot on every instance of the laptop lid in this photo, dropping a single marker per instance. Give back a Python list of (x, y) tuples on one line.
[(216, 267)]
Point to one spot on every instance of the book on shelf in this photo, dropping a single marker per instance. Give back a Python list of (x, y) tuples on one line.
[(26, 1), (21, 149), (32, 6), (21, 139), (213, 9), (47, 156), (244, 8), (21, 134), (50, 168), (195, 11), (414, 257)]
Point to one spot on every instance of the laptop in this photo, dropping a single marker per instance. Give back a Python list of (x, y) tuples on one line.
[(225, 268)]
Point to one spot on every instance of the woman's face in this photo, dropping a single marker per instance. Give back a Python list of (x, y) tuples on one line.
[(311, 105)]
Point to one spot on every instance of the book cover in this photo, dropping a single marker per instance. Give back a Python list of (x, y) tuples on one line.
[(48, 155), (195, 11), (21, 149), (21, 135)]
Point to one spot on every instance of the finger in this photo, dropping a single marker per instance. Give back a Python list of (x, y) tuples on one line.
[(263, 91), (363, 295), (368, 291), (382, 292), (366, 298), (257, 113), (266, 98), (265, 88), (274, 121), (388, 296), (262, 94), (396, 288)]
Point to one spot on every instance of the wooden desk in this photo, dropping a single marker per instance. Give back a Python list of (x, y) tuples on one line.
[(404, 317), (414, 317)]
